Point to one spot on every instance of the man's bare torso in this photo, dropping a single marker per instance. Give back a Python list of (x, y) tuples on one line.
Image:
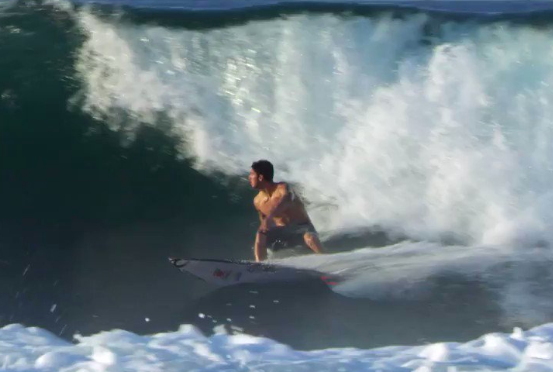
[(293, 214)]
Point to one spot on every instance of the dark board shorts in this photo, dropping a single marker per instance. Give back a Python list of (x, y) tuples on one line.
[(290, 236)]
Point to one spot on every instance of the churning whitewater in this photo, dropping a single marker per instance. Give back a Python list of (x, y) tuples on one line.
[(364, 113)]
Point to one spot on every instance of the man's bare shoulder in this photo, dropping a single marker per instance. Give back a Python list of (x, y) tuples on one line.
[(283, 187)]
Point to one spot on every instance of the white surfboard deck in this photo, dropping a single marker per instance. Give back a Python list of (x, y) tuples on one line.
[(226, 272)]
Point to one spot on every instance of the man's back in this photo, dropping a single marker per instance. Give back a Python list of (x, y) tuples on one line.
[(294, 211)]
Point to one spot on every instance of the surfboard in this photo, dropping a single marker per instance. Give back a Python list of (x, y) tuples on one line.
[(228, 272)]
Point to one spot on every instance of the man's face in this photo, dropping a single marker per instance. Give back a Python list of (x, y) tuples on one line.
[(254, 179)]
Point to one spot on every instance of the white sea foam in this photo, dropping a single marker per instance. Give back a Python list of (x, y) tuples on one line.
[(419, 128), (33, 349)]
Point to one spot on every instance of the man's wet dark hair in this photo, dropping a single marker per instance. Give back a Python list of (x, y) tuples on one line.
[(265, 168)]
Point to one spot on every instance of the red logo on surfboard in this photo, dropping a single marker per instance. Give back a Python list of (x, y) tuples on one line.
[(218, 273)]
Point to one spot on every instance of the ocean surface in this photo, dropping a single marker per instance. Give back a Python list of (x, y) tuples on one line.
[(419, 133)]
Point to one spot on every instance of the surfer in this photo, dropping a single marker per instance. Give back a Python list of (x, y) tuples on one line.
[(282, 215)]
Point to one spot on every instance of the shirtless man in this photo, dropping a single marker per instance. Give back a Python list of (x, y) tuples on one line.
[(282, 214)]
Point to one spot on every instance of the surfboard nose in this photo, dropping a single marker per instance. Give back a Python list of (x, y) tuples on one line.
[(178, 262)]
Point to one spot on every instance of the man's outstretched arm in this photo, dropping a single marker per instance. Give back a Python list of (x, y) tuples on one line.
[(260, 246)]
